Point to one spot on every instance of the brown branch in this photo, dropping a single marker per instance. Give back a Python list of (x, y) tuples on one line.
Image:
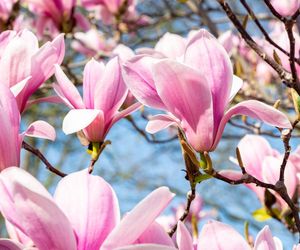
[(263, 31), (38, 154), (284, 75)]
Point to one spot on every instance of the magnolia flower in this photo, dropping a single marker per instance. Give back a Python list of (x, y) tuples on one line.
[(58, 12), (218, 236), (215, 236), (103, 94), (83, 214), (10, 137), (286, 7), (21, 59), (195, 90), (112, 8), (263, 162)]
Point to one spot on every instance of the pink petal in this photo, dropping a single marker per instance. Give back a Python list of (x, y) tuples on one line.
[(264, 240), (10, 124), (155, 234), (183, 237), (257, 110), (92, 74), (43, 62), (96, 130), (134, 224), (271, 171), (91, 206), (49, 99), (15, 234), (160, 122), (171, 45), (7, 244), (66, 90), (15, 63), (189, 100), (125, 112), (124, 52), (146, 247), (286, 8), (78, 119), (296, 247), (231, 174), (254, 149), (111, 91), (41, 129), (27, 205), (138, 78), (218, 236), (206, 54)]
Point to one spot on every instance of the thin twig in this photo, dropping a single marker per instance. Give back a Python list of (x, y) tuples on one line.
[(38, 154)]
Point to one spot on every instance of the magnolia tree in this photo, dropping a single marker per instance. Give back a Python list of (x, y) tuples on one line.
[(88, 64)]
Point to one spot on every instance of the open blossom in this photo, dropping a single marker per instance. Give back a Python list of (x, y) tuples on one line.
[(83, 214), (57, 12), (109, 9), (103, 94), (195, 90), (215, 236), (286, 7), (219, 236), (263, 162), (24, 67), (10, 137)]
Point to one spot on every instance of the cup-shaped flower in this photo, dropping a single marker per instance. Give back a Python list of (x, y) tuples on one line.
[(21, 58), (195, 90), (10, 137), (83, 215), (104, 92), (287, 7), (263, 162)]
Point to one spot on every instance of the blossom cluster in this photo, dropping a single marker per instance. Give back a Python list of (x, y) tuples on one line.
[(190, 81)]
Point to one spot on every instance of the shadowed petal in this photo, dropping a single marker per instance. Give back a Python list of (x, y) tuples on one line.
[(138, 78), (9, 126), (7, 244)]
